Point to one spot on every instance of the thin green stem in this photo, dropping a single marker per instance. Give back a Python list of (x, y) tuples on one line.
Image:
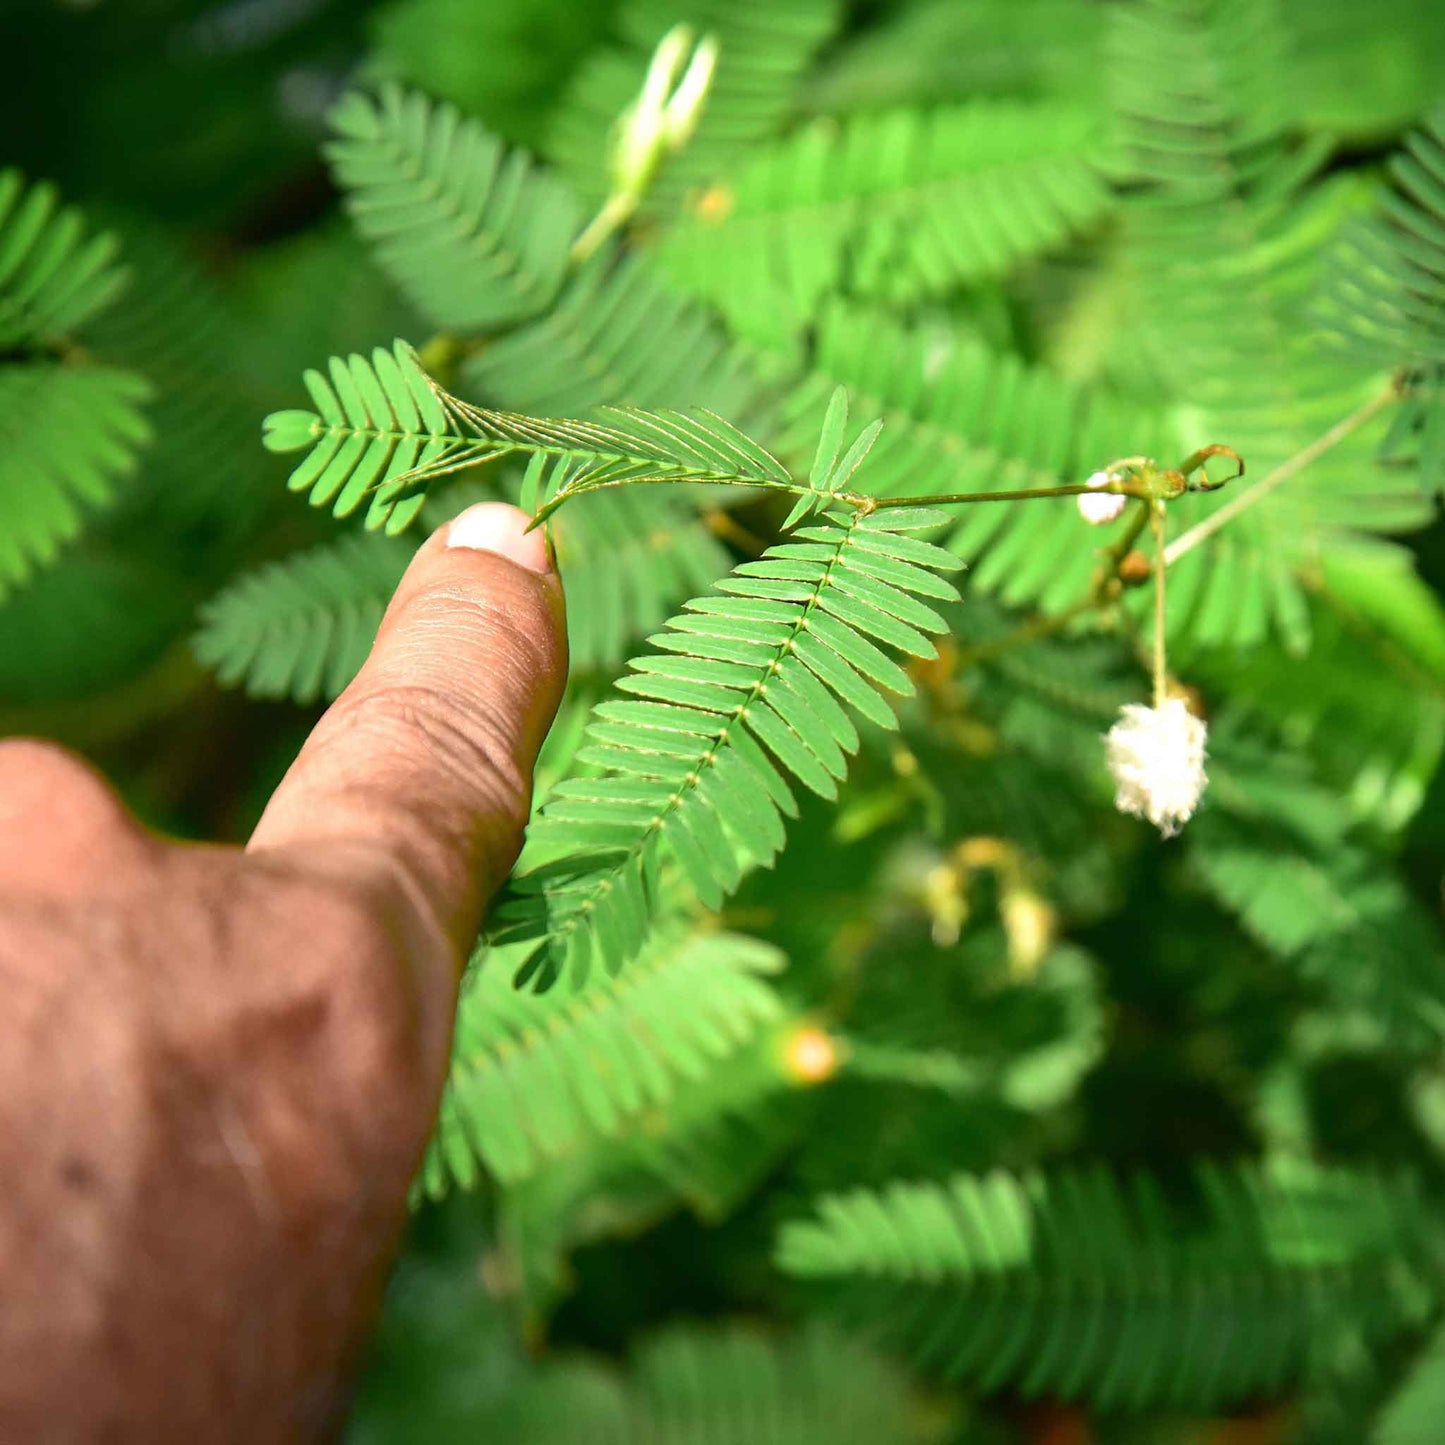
[(1188, 541), (615, 213), (1123, 545), (858, 500), (1161, 679), (1023, 494), (554, 504)]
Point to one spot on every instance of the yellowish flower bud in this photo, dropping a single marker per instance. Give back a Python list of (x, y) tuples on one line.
[(1029, 925), (665, 114), (810, 1055)]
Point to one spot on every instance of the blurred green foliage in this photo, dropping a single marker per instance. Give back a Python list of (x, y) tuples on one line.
[(982, 1116)]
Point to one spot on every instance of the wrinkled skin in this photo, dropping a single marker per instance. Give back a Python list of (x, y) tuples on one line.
[(218, 1067)]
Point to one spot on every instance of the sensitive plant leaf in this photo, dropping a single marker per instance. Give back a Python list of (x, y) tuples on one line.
[(729, 1385), (1227, 227), (473, 233), (895, 206), (628, 559), (67, 435), (383, 431), (54, 274), (747, 689), (829, 475), (1078, 1284), (301, 628), (617, 336), (526, 1085), (1385, 296), (1387, 284)]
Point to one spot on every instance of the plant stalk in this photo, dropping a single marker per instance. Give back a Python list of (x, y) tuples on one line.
[(1161, 676), (1202, 531), (1023, 494), (615, 213)]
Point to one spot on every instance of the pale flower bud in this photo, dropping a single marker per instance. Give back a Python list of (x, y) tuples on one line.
[(684, 110), (1100, 508), (663, 117), (1156, 756), (662, 69)]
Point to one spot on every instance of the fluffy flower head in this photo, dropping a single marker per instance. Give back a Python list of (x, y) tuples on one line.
[(1156, 756), (1102, 507)]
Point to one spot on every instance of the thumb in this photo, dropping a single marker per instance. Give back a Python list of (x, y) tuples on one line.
[(423, 766)]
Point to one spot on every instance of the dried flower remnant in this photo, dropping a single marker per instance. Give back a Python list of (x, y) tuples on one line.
[(1156, 756)]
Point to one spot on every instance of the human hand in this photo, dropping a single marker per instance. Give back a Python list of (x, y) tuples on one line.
[(218, 1068)]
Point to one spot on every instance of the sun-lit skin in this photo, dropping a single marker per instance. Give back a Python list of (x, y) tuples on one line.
[(219, 1067)]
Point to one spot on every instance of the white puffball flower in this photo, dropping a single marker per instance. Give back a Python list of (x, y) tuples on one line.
[(1156, 756), (1100, 508)]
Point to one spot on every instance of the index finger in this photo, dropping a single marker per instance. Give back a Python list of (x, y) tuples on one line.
[(424, 763)]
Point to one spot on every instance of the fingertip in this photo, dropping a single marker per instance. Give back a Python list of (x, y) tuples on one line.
[(502, 530), (426, 758)]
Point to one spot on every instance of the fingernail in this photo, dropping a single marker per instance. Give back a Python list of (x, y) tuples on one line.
[(495, 527)]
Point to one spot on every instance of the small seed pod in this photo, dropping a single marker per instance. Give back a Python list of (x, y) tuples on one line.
[(1135, 569)]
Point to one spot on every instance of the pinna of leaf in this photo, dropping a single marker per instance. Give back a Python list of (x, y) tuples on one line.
[(746, 693), (383, 431)]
